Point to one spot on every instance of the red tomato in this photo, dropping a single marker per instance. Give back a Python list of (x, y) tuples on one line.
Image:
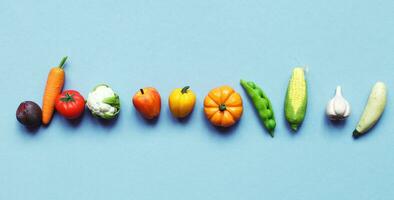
[(70, 104)]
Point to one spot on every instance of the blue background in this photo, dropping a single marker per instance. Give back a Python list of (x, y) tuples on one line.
[(204, 44)]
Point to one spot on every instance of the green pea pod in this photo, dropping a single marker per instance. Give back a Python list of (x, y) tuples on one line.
[(262, 104)]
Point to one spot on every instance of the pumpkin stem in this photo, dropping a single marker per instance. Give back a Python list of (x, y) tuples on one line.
[(222, 107), (184, 90)]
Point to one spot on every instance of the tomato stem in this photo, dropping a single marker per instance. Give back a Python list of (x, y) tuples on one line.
[(68, 98), (184, 89)]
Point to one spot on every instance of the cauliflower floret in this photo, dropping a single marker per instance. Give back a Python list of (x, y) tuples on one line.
[(98, 102)]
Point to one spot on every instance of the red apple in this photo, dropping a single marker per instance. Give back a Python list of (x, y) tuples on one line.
[(147, 101)]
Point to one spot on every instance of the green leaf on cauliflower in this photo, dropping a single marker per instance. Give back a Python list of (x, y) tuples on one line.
[(113, 101)]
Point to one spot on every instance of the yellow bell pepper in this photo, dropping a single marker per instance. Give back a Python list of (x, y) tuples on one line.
[(182, 101)]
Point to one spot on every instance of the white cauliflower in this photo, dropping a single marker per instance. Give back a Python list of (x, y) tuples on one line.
[(103, 102)]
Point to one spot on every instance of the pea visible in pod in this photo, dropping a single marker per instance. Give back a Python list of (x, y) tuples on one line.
[(262, 104)]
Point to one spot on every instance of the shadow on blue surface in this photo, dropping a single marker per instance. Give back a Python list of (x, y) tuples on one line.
[(181, 121), (105, 123), (362, 137), (287, 125), (28, 131), (141, 119), (334, 124), (74, 123), (370, 132)]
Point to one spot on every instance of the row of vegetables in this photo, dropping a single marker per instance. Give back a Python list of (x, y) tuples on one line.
[(223, 106)]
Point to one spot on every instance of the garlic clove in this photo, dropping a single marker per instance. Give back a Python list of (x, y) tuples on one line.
[(339, 102), (338, 108), (330, 109)]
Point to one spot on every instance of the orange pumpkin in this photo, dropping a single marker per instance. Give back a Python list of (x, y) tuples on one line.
[(223, 106)]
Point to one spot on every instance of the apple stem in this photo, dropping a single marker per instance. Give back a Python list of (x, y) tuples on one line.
[(142, 91)]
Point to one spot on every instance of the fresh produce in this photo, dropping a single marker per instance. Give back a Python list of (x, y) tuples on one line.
[(70, 104), (29, 114), (147, 101), (53, 88), (103, 102), (262, 104), (373, 111), (338, 108), (223, 106), (296, 99), (182, 101)]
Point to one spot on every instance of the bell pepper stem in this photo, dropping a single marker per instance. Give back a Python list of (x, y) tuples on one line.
[(184, 89)]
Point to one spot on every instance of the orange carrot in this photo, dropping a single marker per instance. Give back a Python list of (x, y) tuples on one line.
[(53, 88)]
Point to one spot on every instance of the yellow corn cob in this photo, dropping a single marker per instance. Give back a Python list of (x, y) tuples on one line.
[(296, 99)]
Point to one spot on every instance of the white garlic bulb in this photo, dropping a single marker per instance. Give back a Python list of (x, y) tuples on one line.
[(338, 108)]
